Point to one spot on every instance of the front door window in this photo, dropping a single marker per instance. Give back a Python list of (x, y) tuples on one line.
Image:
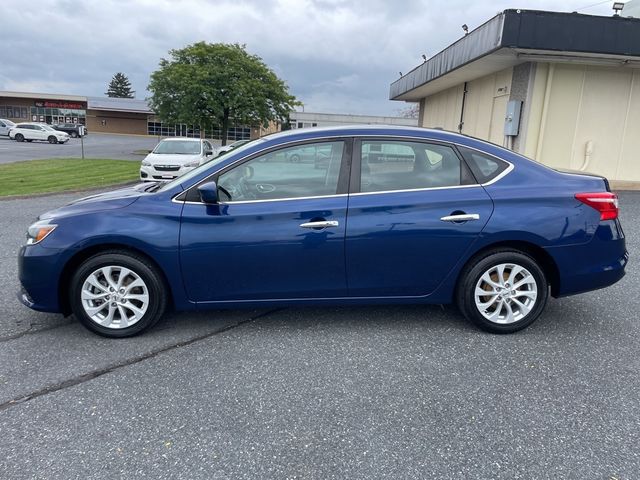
[(308, 170)]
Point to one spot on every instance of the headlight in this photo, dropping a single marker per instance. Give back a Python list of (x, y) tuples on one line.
[(195, 163), (39, 231), (146, 164)]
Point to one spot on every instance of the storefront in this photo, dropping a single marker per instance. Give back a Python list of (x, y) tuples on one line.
[(55, 112), (110, 115), (51, 109)]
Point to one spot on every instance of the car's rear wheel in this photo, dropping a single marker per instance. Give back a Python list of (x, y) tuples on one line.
[(74, 134), (19, 137), (295, 158), (503, 291), (117, 294), (52, 139)]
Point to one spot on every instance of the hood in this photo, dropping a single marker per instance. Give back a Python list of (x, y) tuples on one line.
[(102, 201), (171, 159)]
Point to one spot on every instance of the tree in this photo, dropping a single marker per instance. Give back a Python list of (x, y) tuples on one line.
[(207, 83), (412, 111), (120, 87)]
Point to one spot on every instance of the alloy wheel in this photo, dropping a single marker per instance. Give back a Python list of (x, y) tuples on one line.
[(114, 297), (505, 293)]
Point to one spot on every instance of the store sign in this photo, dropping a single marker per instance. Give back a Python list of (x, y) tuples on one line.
[(49, 104)]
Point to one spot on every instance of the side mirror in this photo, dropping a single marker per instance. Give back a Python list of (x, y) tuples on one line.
[(208, 193), (208, 153)]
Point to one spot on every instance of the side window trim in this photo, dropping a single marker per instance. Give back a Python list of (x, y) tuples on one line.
[(354, 184), (191, 195)]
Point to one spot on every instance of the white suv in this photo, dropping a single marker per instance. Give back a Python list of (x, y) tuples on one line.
[(37, 131), (173, 157), (5, 126)]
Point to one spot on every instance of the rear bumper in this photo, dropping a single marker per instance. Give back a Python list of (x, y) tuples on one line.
[(597, 264)]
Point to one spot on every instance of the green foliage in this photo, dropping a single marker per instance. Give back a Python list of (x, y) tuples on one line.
[(120, 87), (209, 84)]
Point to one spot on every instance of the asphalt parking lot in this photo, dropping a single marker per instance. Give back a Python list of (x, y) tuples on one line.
[(97, 145), (370, 392)]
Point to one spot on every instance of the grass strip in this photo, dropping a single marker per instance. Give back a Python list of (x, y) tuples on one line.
[(34, 177)]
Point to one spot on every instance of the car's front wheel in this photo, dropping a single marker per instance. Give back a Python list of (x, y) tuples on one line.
[(117, 294), (503, 291), (74, 135), (52, 139)]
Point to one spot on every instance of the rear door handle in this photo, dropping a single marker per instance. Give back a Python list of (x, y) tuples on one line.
[(462, 217), (320, 224)]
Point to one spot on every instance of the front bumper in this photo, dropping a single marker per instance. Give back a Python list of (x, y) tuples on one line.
[(152, 174), (39, 271)]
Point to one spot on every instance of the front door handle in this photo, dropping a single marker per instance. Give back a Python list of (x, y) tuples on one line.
[(462, 217), (320, 224)]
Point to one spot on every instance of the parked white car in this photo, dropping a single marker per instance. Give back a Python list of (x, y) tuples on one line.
[(5, 126), (231, 146), (37, 131), (173, 157)]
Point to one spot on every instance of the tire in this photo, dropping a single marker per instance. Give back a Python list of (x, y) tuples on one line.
[(500, 310), (91, 297), (19, 137), (52, 139), (295, 158), (74, 135)]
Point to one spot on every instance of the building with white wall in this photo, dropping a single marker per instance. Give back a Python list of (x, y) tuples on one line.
[(574, 78), (310, 119)]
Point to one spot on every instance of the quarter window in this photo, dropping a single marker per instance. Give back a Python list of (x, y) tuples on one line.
[(485, 167), (400, 165), (302, 171)]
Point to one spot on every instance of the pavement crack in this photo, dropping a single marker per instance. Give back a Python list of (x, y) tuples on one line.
[(56, 387), (32, 329)]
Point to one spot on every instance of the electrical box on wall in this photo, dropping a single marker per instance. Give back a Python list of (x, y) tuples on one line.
[(512, 119)]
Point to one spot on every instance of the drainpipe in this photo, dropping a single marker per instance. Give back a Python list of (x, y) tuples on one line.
[(464, 97), (545, 109)]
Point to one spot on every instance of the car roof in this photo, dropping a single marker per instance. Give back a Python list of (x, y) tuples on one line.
[(359, 130), (182, 139)]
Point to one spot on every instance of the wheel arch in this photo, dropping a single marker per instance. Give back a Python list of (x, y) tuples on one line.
[(539, 254), (79, 257)]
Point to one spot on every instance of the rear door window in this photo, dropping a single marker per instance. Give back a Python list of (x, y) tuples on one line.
[(392, 165)]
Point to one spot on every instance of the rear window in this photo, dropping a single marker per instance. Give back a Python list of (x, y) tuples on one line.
[(484, 167)]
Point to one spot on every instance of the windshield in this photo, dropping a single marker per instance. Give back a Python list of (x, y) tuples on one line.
[(47, 127), (177, 147), (205, 166)]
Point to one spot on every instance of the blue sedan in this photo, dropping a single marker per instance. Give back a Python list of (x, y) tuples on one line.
[(383, 215)]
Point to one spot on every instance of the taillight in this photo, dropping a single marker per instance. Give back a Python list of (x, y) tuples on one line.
[(605, 202)]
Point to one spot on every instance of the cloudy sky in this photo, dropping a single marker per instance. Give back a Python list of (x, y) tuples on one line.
[(336, 55)]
